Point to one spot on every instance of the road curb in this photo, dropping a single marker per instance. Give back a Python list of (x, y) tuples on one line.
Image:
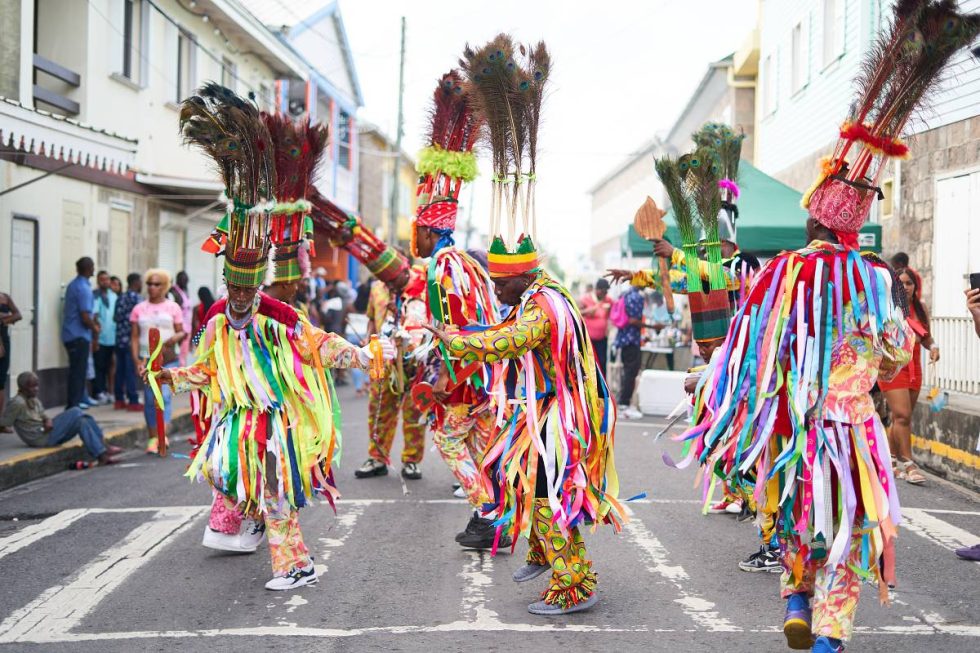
[(41, 462)]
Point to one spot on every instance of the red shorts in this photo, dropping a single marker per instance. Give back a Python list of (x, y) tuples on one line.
[(909, 377)]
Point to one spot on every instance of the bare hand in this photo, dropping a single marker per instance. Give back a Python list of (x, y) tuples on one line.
[(934, 355), (663, 248), (439, 389), (973, 301), (691, 383), (618, 275), (440, 334)]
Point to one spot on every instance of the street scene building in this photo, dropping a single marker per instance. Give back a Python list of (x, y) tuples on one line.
[(395, 267)]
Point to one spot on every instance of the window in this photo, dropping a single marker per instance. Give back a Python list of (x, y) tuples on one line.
[(129, 39), (768, 86), (228, 73), (186, 65), (798, 58), (887, 203), (833, 30), (344, 126)]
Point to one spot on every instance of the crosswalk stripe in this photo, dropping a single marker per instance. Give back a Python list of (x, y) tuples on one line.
[(31, 534), (655, 556), (59, 609), (937, 530)]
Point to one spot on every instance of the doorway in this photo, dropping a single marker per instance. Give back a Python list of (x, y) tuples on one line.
[(23, 290)]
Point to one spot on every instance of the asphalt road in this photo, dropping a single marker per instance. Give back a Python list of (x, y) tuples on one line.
[(110, 559)]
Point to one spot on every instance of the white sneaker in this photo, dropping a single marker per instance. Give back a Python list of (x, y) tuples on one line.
[(297, 577), (632, 413), (103, 399), (222, 541), (459, 493), (251, 534), (734, 508)]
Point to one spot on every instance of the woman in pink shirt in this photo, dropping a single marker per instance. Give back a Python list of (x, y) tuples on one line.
[(164, 314), (595, 308)]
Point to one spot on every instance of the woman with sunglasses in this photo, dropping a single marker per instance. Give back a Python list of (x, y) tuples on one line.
[(166, 315)]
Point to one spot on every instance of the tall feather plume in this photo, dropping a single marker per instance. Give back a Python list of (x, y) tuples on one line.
[(507, 83), (299, 148), (703, 170), (453, 126), (727, 144), (901, 70), (230, 131)]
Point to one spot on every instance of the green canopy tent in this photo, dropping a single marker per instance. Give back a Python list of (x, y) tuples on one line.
[(770, 219)]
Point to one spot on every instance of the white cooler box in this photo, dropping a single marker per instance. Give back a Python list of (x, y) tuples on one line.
[(660, 391)]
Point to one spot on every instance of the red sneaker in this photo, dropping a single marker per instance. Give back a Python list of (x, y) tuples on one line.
[(135, 408), (119, 405)]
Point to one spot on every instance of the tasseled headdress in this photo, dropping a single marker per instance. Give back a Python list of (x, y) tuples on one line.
[(897, 75), (691, 183), (448, 160), (507, 84), (230, 130)]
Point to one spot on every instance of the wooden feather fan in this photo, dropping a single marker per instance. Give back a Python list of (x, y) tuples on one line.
[(649, 223)]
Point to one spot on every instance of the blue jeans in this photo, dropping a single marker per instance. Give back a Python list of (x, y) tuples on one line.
[(125, 376), (150, 402), (78, 350), (74, 422)]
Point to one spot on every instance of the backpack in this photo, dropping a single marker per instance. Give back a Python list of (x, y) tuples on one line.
[(618, 315)]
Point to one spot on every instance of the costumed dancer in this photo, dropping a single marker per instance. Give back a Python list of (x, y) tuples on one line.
[(297, 150), (550, 465), (396, 309), (271, 416), (458, 292), (788, 415)]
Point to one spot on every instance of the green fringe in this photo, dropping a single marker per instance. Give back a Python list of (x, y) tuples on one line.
[(434, 160), (567, 597)]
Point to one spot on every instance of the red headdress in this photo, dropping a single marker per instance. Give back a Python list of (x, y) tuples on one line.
[(897, 74)]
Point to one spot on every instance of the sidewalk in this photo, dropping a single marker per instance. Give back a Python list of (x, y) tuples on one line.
[(20, 463)]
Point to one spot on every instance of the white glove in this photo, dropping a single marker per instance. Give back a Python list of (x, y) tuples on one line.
[(387, 352)]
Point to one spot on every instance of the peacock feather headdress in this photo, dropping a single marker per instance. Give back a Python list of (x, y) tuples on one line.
[(230, 130), (507, 84), (897, 76)]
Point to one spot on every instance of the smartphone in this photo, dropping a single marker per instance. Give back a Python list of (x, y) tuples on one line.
[(975, 280)]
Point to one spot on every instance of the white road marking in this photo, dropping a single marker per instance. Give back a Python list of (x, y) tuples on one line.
[(477, 578), (941, 511), (936, 530), (53, 615), (339, 531), (294, 602), (31, 534), (654, 554)]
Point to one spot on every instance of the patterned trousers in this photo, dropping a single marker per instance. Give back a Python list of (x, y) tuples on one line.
[(833, 592), (461, 442), (384, 405), (286, 546), (572, 578)]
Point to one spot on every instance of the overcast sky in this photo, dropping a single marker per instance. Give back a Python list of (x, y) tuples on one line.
[(622, 71)]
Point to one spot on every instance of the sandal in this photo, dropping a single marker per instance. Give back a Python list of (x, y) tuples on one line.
[(911, 472), (897, 471)]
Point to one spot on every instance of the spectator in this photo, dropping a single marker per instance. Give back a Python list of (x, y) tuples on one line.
[(902, 392), (164, 314), (115, 283), (9, 314), (125, 385), (628, 343), (206, 301), (662, 319), (595, 312), (973, 305), (972, 553), (183, 299), (77, 327), (900, 260), (105, 348), (26, 414)]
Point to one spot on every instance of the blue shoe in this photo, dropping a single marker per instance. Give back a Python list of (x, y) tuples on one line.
[(796, 624), (827, 645)]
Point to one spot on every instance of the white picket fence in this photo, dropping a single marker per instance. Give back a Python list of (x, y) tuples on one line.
[(958, 369)]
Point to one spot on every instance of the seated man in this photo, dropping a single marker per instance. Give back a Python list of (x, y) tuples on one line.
[(25, 413)]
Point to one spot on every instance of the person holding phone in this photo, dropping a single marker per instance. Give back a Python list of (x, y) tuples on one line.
[(973, 301), (166, 315), (902, 392)]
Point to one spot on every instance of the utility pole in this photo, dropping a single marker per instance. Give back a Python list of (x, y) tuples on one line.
[(397, 158)]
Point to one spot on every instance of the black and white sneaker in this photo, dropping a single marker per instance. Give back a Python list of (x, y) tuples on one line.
[(411, 471), (765, 559), (480, 534), (371, 468), (297, 577)]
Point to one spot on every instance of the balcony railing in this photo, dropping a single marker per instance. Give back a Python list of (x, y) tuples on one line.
[(958, 369), (49, 97)]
